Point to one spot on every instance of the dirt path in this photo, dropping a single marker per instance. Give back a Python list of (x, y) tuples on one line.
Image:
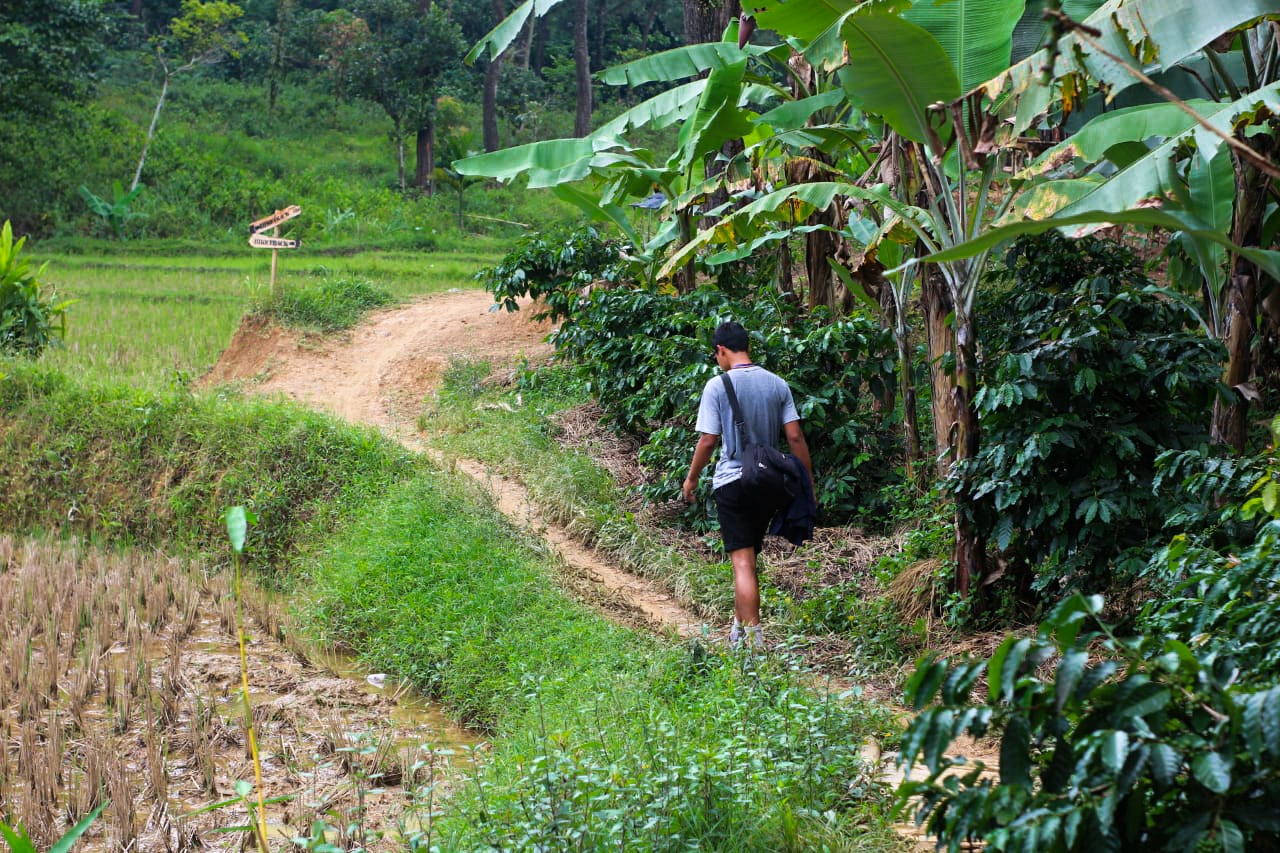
[(379, 373)]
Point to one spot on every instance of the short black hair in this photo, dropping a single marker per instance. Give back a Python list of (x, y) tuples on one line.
[(732, 336)]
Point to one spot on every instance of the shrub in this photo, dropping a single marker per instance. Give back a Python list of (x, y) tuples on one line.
[(1169, 740), (553, 267), (30, 318), (327, 305), (1097, 373)]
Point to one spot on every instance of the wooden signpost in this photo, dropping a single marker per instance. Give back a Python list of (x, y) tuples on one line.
[(273, 241)]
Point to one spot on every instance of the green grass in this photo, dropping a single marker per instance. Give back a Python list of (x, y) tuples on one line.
[(603, 737), (105, 460), (570, 487), (158, 320)]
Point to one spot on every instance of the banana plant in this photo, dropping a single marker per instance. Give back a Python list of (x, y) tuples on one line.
[(1206, 177)]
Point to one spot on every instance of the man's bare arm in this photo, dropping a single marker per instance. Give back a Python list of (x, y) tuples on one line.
[(799, 447), (701, 456)]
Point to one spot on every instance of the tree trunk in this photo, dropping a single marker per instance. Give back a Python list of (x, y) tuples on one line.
[(425, 158), (492, 73), (702, 21), (399, 152), (1231, 417), (969, 545), (525, 45), (135, 8), (935, 304), (151, 131), (819, 246), (582, 65)]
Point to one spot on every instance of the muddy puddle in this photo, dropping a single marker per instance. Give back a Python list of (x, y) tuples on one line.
[(120, 683)]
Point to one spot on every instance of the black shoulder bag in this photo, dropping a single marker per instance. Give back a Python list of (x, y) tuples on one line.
[(764, 468)]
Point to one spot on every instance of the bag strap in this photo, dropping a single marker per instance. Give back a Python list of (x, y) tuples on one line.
[(738, 420)]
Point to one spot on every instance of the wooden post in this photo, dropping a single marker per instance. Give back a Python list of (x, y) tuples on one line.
[(275, 253)]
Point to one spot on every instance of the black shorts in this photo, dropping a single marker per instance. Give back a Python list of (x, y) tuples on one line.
[(744, 518)]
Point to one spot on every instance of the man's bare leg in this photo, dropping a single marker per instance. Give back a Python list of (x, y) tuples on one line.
[(746, 586)]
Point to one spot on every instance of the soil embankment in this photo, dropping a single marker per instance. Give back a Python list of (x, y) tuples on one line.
[(379, 373)]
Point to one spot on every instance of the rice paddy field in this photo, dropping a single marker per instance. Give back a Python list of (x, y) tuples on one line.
[(156, 321), (120, 687)]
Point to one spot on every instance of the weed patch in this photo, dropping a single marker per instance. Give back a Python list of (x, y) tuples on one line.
[(325, 305)]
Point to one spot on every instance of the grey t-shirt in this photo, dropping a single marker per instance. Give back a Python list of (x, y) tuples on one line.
[(766, 405)]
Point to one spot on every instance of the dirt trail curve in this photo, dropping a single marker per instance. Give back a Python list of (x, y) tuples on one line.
[(378, 375)]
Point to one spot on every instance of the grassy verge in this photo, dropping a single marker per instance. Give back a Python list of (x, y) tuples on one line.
[(114, 462), (517, 437), (603, 738)]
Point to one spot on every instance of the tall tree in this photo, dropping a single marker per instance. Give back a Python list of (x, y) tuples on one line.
[(399, 67), (582, 69), (489, 98), (201, 35)]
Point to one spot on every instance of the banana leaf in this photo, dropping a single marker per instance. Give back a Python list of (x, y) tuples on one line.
[(501, 36), (896, 70), (679, 63), (976, 34), (1171, 220), (1131, 124), (1157, 32)]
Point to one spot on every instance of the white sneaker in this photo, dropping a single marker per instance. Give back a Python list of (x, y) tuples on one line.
[(736, 634)]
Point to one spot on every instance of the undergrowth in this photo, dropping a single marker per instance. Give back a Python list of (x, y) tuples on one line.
[(513, 431)]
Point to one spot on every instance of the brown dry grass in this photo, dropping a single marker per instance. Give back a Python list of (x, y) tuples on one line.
[(119, 681)]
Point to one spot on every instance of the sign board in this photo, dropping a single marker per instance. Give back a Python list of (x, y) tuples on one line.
[(262, 241), (273, 220)]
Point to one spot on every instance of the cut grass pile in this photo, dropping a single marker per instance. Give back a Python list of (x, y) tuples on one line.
[(603, 738)]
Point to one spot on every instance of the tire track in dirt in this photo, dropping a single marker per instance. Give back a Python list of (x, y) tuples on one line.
[(378, 374)]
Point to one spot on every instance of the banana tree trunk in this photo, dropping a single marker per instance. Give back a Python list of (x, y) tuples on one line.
[(1230, 424), (935, 304), (819, 247), (969, 544)]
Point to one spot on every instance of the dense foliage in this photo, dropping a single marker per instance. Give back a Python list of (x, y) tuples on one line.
[(1160, 742), (1091, 372), (647, 355)]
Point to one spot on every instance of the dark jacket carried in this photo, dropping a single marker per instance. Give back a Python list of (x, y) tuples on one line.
[(795, 521)]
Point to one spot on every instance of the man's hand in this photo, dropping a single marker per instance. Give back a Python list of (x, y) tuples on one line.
[(690, 486)]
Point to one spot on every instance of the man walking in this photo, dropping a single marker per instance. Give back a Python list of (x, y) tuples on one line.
[(767, 408)]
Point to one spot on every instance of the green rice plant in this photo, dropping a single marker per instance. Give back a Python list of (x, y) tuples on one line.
[(19, 842)]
